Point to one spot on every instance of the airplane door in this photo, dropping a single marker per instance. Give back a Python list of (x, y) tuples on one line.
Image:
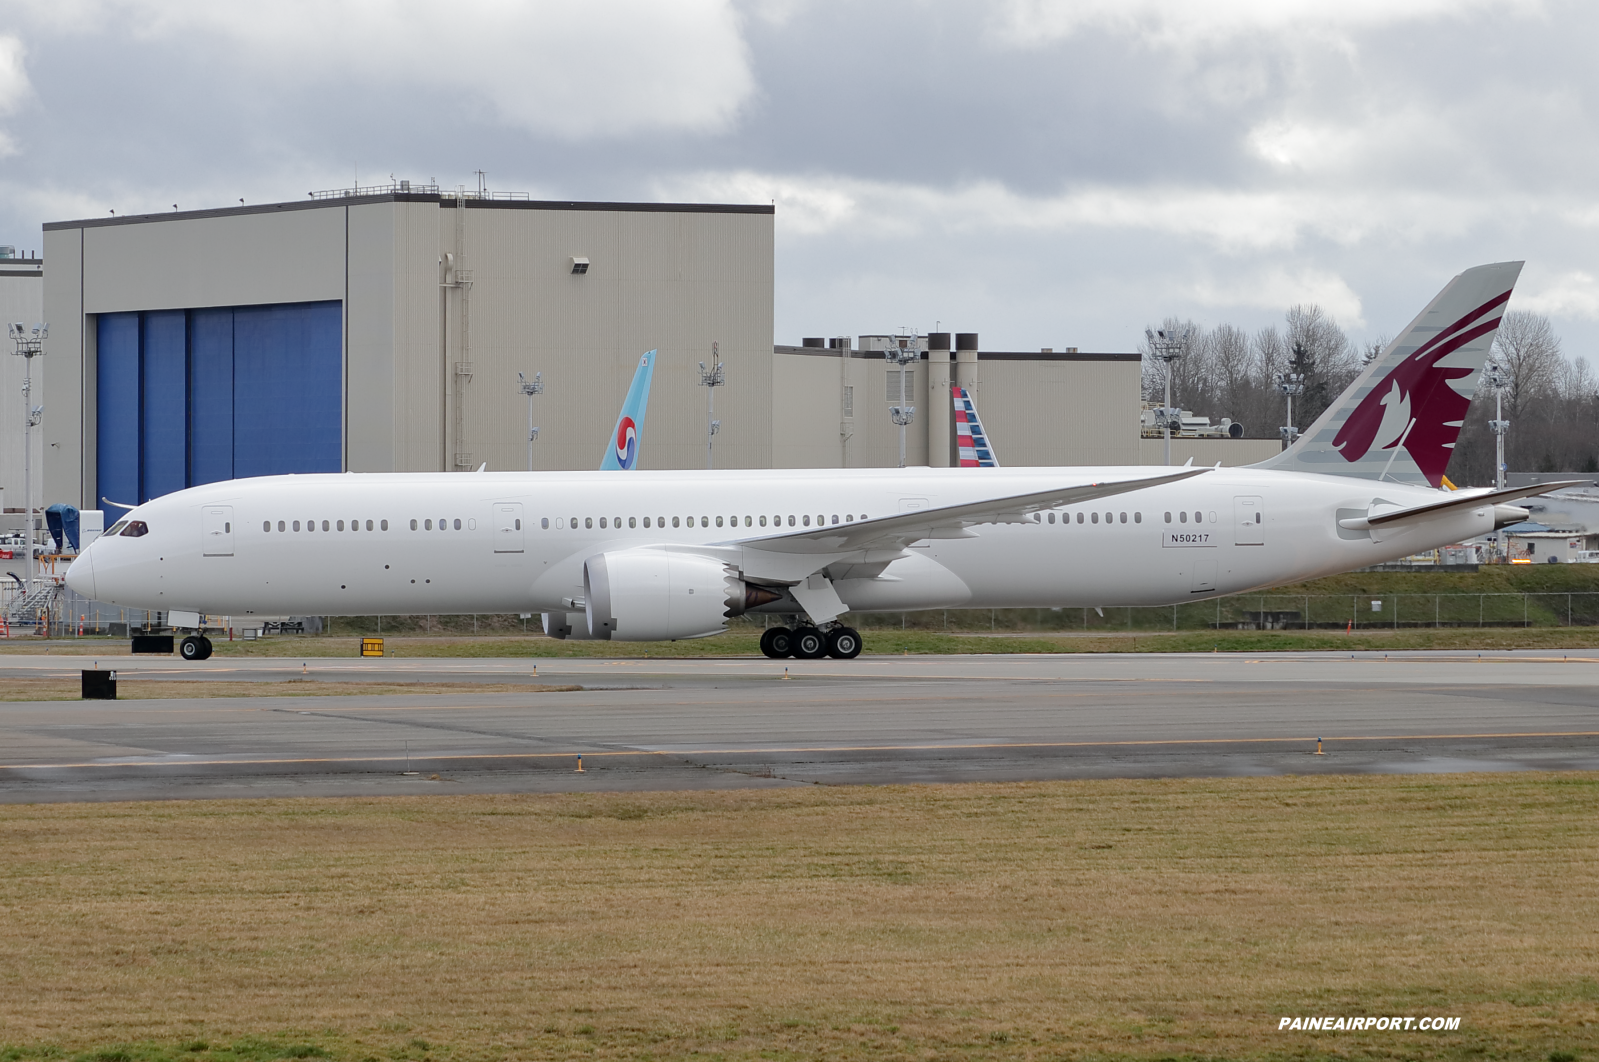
[(508, 534), (216, 530), (1249, 522)]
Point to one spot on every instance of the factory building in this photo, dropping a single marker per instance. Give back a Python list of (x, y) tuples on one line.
[(383, 329)]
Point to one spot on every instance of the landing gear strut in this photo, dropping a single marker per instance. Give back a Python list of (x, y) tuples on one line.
[(195, 647), (809, 643)]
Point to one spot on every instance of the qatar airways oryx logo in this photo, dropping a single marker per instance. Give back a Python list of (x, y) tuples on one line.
[(1415, 405), (626, 442)]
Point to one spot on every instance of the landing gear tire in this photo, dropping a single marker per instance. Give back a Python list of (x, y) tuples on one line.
[(195, 647), (809, 644), (777, 643), (843, 643)]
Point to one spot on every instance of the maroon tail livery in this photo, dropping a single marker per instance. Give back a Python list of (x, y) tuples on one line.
[(1400, 419)]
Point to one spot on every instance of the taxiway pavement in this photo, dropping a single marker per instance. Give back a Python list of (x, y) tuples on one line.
[(715, 723)]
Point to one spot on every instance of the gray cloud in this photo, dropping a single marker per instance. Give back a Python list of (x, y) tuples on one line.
[(1047, 173)]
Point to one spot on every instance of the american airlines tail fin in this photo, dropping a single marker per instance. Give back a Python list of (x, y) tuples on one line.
[(1400, 418), (972, 447), (622, 453)]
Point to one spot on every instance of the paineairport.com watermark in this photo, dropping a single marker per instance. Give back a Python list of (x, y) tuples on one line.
[(1363, 1024)]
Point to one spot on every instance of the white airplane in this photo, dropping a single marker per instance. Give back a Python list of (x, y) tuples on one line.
[(675, 554)]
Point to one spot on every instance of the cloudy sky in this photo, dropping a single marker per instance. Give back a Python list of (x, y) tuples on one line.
[(1046, 172)]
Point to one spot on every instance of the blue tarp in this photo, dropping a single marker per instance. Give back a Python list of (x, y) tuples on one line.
[(62, 519)]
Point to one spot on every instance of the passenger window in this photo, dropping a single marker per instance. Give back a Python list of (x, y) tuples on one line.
[(1182, 517), (835, 518), (369, 525), (807, 521), (1096, 518), (705, 521), (519, 525), (427, 525), (1138, 518), (849, 518), (790, 521), (616, 522), (718, 521), (135, 529), (632, 521), (296, 524), (266, 525), (602, 522), (413, 525), (674, 521), (324, 525), (544, 523), (1257, 517), (574, 523), (749, 521), (1212, 517), (1199, 518), (1110, 518), (228, 526), (1051, 517), (384, 524), (588, 521), (458, 523), (646, 521), (1168, 518), (763, 521), (1124, 517), (1079, 517), (341, 525)]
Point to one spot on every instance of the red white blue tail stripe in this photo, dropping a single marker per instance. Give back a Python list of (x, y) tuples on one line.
[(971, 441)]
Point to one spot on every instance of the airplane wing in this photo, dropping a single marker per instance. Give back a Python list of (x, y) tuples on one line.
[(900, 530), (1473, 500), (622, 453)]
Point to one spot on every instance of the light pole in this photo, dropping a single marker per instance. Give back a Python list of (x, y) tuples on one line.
[(1494, 376), (1290, 384), (1167, 347), (711, 379), (530, 388), (29, 345), (904, 413)]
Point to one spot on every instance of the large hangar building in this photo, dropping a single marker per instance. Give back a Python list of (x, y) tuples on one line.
[(382, 329)]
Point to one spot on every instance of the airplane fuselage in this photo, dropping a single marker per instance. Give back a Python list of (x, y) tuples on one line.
[(434, 543)]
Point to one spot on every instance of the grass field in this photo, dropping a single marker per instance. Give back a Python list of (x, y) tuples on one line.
[(1117, 919)]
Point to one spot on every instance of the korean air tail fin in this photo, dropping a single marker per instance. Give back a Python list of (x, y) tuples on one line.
[(972, 448), (622, 453), (1401, 417)]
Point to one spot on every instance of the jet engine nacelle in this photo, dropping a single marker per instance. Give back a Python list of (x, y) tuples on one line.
[(651, 594)]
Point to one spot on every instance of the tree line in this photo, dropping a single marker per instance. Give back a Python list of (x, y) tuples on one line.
[(1551, 401)]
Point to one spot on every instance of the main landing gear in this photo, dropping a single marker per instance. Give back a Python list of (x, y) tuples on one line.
[(809, 643), (195, 647)]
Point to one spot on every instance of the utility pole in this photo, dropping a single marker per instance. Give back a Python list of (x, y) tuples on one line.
[(530, 388), (1290, 384), (1167, 347), (904, 413), (711, 379), (29, 345), (1494, 376)]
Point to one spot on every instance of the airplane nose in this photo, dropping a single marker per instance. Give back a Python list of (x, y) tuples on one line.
[(80, 575)]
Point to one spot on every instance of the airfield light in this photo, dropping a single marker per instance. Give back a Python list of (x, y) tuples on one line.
[(1167, 346), (29, 345)]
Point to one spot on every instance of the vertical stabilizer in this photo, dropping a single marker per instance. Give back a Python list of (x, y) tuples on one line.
[(622, 453), (1400, 418), (972, 447)]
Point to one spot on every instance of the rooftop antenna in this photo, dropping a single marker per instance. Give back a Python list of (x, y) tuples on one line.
[(530, 388), (1167, 346), (711, 379), (482, 183), (29, 345)]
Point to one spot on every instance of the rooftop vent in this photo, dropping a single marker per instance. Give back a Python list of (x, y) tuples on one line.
[(580, 266)]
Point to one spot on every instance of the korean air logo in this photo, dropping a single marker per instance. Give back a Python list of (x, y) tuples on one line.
[(626, 443)]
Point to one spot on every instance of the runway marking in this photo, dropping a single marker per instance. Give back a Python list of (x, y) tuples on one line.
[(662, 753)]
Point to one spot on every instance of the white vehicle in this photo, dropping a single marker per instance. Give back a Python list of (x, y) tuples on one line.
[(673, 555)]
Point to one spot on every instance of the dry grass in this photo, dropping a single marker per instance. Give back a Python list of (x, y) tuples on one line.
[(1091, 919), (144, 689)]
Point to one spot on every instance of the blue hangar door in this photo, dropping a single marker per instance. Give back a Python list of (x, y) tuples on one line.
[(195, 396)]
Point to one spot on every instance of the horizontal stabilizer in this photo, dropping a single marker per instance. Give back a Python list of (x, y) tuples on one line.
[(1457, 500)]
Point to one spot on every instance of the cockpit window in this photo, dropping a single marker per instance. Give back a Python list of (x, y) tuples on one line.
[(116, 528), (135, 529)]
